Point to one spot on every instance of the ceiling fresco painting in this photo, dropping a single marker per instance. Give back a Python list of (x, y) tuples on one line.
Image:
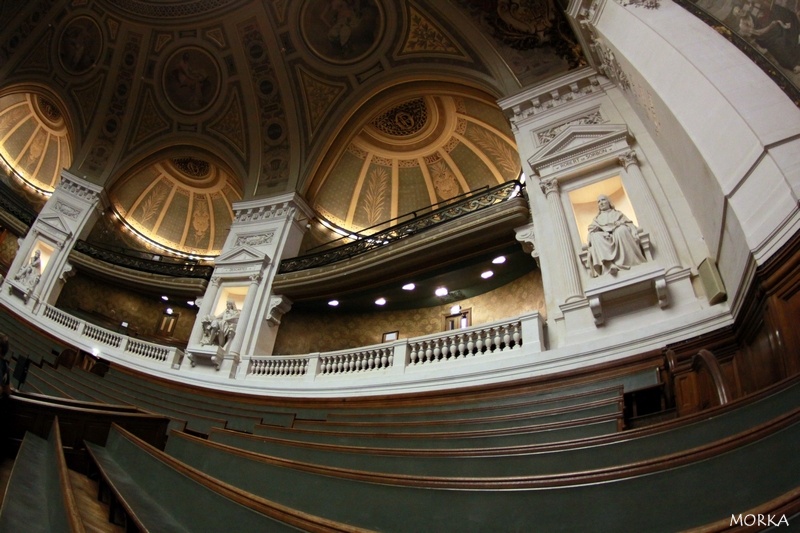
[(284, 95)]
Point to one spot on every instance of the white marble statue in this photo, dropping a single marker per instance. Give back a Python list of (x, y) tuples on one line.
[(613, 241), (218, 330), (29, 274)]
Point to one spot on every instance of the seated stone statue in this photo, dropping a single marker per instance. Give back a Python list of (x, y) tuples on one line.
[(218, 330), (29, 274), (613, 241)]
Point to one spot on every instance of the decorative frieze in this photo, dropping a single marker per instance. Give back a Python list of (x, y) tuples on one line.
[(258, 214), (258, 239)]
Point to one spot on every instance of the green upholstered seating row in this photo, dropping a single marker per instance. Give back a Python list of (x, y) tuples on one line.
[(194, 420), (199, 418), (84, 421), (160, 494), (553, 458), (674, 492), (28, 342), (39, 497), (520, 403), (519, 435), (480, 420), (450, 404), (226, 405)]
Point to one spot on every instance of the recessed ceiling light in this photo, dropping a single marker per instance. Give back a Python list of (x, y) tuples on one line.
[(380, 301), (441, 291), (499, 260), (190, 303), (165, 298), (488, 274), (333, 303), (409, 287)]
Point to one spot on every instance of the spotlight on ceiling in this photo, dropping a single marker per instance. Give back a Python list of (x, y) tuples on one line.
[(165, 298), (441, 291), (409, 287), (488, 274), (333, 303), (499, 260), (380, 301)]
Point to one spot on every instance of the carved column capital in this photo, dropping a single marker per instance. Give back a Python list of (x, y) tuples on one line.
[(627, 159), (549, 186)]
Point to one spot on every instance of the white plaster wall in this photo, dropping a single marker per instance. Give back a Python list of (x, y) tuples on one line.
[(727, 131)]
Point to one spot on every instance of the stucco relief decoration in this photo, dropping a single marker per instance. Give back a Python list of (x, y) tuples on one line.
[(255, 240), (549, 134), (376, 196), (341, 31), (610, 66), (444, 181), (78, 190), (647, 4), (191, 80), (67, 210), (79, 46), (503, 154)]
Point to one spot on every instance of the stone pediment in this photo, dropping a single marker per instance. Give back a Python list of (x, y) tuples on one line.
[(243, 256), (580, 145), (54, 226)]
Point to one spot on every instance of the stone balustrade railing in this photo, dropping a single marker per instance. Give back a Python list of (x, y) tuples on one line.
[(386, 367), (391, 359), (97, 340)]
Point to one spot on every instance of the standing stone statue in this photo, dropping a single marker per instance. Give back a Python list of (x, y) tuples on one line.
[(613, 241)]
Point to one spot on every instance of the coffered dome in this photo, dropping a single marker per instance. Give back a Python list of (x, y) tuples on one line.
[(181, 203), (35, 140), (422, 151)]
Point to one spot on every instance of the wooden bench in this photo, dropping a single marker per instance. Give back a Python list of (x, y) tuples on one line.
[(552, 458), (39, 496), (509, 418), (672, 492), (79, 424), (519, 435), (156, 493)]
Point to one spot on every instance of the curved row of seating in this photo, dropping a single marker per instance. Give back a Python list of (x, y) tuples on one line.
[(550, 459)]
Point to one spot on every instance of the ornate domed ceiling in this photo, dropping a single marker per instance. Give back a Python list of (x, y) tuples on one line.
[(183, 204), (421, 152), (34, 139), (296, 96)]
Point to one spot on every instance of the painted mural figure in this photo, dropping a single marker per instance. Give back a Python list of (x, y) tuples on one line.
[(613, 241), (29, 274), (218, 330)]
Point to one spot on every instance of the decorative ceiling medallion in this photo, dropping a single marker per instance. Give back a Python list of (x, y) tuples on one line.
[(404, 120), (192, 167), (48, 112), (191, 80), (342, 31), (79, 45)]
